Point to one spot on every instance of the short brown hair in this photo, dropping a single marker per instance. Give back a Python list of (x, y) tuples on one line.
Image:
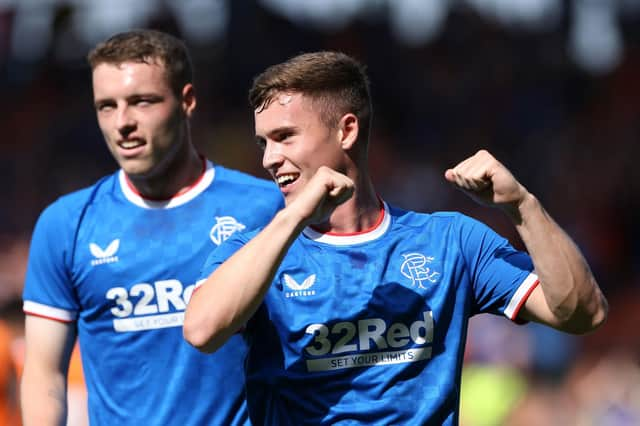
[(335, 82), (147, 46)]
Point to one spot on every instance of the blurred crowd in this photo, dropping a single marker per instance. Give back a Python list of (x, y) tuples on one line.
[(569, 135)]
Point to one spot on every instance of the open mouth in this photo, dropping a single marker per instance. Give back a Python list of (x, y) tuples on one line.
[(130, 144), (286, 179)]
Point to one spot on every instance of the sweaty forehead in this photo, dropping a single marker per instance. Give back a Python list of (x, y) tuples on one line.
[(284, 111), (278, 97), (282, 102), (284, 98)]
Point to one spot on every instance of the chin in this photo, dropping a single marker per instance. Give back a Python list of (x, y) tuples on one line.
[(135, 168)]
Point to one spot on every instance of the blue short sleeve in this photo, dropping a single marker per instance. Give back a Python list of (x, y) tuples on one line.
[(48, 290), (502, 277)]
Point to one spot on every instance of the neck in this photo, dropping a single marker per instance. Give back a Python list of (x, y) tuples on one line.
[(174, 179), (360, 213)]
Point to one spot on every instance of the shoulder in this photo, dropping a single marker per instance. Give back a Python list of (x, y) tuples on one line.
[(447, 222), (236, 184), (414, 218), (454, 218), (227, 247), (236, 177), (74, 203), (58, 224)]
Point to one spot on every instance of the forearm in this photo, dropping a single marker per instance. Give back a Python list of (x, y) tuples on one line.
[(43, 401), (43, 389), (574, 300), (233, 292)]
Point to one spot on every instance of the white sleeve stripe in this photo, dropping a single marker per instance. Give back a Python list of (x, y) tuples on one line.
[(47, 311), (520, 296)]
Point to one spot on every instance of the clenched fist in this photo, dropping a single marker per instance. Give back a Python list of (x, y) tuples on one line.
[(325, 191), (487, 181)]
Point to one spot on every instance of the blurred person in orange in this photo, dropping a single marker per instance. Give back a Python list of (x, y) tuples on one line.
[(9, 378)]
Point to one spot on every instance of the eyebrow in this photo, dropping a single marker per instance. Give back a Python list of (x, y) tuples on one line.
[(133, 97), (281, 129)]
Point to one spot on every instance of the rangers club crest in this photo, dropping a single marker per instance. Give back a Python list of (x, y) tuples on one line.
[(416, 268), (225, 226)]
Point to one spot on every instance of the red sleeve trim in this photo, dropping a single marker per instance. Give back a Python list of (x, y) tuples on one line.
[(515, 318), (48, 317)]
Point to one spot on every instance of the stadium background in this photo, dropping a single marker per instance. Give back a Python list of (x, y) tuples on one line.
[(551, 87)]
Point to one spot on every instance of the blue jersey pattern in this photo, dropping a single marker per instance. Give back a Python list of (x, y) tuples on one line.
[(124, 269), (370, 329)]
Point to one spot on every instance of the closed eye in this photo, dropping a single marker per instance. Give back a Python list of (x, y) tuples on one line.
[(144, 100), (284, 135), (104, 106), (281, 134)]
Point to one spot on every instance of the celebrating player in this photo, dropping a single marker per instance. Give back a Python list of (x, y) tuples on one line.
[(356, 311), (115, 264)]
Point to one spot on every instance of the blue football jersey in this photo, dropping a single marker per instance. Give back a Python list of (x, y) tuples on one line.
[(370, 328), (123, 268)]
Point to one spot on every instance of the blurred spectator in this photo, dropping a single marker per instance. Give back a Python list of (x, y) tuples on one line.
[(11, 360)]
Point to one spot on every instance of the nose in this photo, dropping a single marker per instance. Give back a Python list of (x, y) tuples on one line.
[(125, 121), (272, 156)]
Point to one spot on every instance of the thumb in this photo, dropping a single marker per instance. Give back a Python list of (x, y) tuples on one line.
[(449, 175), (341, 193)]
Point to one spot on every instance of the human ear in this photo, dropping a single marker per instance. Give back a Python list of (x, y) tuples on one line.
[(188, 99), (348, 129)]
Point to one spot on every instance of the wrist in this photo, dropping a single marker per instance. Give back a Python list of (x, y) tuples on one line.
[(291, 219), (520, 210)]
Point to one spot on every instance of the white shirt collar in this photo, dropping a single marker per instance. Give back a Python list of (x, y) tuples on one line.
[(203, 183), (350, 239)]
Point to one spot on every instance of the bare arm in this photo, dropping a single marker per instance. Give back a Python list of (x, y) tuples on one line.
[(233, 292), (568, 297), (43, 387)]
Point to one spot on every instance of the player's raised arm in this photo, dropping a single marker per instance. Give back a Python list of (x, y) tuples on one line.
[(233, 292), (44, 379), (568, 297)]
